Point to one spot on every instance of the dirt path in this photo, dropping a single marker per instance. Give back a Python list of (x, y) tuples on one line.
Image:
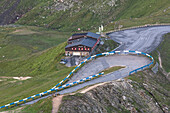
[(160, 64), (92, 87), (160, 61), (16, 78), (57, 100), (56, 103), (18, 110)]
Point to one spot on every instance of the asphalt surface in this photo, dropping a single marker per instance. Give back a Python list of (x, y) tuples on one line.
[(144, 39), (95, 66), (140, 39)]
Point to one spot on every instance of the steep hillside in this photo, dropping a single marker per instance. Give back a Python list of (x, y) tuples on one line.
[(68, 15), (43, 67), (72, 14), (17, 42), (162, 53), (38, 63)]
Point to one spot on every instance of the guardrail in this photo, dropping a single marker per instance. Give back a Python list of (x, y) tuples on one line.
[(61, 86)]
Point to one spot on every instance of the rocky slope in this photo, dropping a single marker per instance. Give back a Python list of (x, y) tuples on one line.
[(13, 10), (146, 92), (48, 13)]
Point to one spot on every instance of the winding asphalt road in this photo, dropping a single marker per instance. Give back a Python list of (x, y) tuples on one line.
[(140, 39), (144, 39), (130, 62)]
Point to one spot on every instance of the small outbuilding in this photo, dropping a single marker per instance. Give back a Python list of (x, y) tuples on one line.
[(82, 44)]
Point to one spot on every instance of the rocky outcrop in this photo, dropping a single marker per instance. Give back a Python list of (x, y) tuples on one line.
[(125, 96), (12, 10), (10, 15)]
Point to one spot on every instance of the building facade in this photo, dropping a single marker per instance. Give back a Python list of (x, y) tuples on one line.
[(82, 44)]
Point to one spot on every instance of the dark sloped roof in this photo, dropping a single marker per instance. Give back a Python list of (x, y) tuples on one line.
[(89, 42), (94, 35), (79, 34), (88, 34)]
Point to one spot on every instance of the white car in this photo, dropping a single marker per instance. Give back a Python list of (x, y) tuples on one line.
[(63, 61)]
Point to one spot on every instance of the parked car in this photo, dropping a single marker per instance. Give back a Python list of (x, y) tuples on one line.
[(63, 61)]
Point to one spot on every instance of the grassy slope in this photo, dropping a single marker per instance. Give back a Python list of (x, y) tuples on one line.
[(44, 67), (90, 14), (42, 106), (38, 63), (141, 12), (112, 69), (29, 51), (22, 41), (85, 15), (140, 8), (108, 45), (164, 49)]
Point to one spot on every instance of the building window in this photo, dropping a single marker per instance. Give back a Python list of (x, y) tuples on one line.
[(71, 48), (81, 48), (75, 48), (88, 49), (85, 49)]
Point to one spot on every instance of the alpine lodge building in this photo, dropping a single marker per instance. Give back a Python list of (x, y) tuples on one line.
[(82, 44)]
